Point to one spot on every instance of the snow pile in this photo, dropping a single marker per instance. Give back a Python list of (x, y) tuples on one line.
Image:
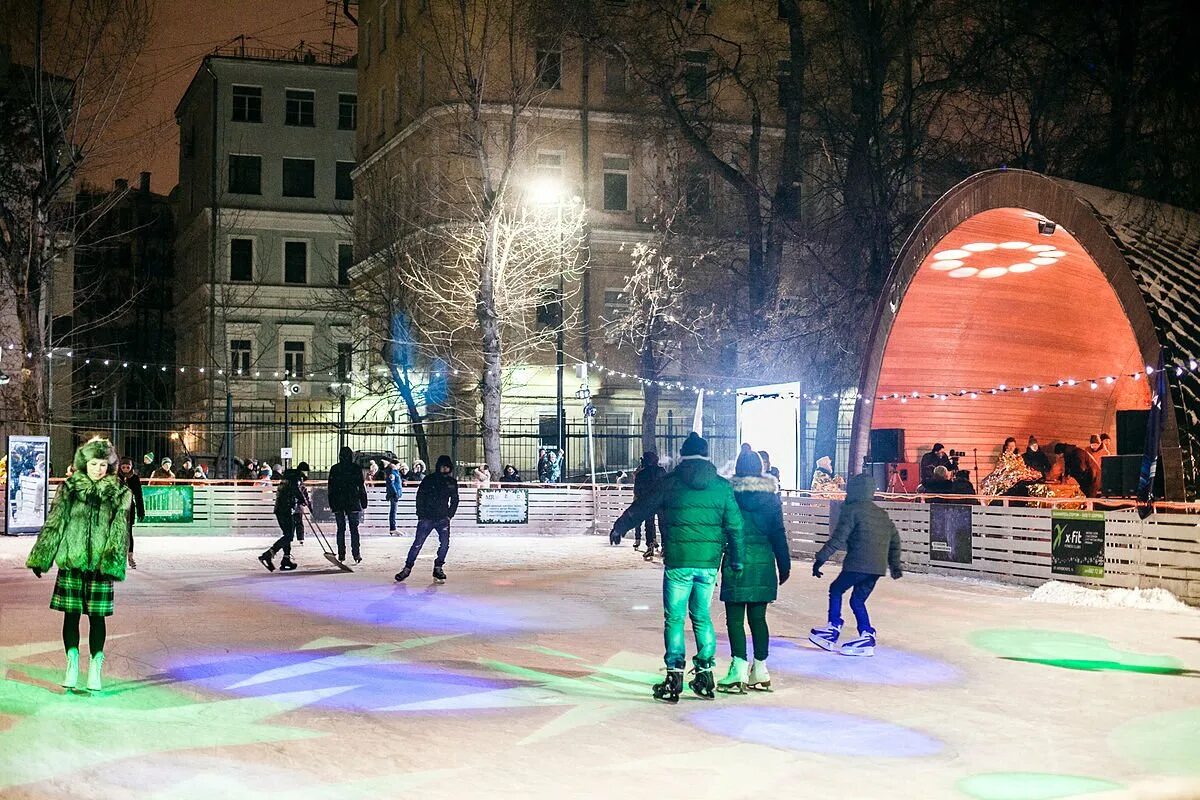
[(1074, 595)]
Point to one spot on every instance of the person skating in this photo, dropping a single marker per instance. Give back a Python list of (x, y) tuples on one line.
[(701, 523), (766, 566), (394, 484), (85, 534), (298, 517), (347, 499), (130, 480), (437, 503), (647, 477), (872, 546), (289, 498)]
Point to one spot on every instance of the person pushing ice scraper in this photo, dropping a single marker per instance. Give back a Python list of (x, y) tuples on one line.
[(872, 546), (701, 523)]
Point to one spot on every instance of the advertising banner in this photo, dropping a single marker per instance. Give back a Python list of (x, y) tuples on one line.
[(502, 507), (1077, 543), (171, 503), (950, 533), (26, 484)]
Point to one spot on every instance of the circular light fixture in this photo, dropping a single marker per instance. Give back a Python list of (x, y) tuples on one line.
[(1042, 261), (949, 254), (980, 247), (1024, 266), (993, 272), (1014, 245), (1040, 248), (1054, 253), (948, 264), (963, 272)]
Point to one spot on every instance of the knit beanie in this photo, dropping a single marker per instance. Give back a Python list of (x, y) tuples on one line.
[(694, 445), (749, 465)]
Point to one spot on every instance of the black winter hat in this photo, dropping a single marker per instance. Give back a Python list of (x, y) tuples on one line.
[(694, 445), (302, 466), (749, 464), (443, 461)]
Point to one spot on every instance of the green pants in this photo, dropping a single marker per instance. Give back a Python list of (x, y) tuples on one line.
[(688, 589)]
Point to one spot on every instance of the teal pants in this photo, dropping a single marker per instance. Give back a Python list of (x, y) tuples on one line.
[(690, 590)]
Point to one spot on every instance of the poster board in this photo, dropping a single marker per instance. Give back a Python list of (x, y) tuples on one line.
[(26, 484), (168, 503), (1077, 543), (502, 507), (950, 533)]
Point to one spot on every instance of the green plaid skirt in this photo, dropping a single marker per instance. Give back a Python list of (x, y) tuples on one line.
[(79, 592)]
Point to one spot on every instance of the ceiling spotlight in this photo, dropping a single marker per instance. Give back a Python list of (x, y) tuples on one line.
[(1046, 227)]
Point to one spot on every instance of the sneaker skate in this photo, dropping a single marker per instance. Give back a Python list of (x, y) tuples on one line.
[(402, 574), (826, 637), (734, 681), (287, 565), (438, 575), (668, 691), (759, 678), (864, 645)]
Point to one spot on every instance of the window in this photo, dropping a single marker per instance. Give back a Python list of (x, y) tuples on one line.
[(549, 67), (245, 174), (549, 164), (247, 104), (614, 74), (616, 183), (343, 185), (293, 359), (383, 25), (345, 354), (345, 260), (241, 259), (301, 108), (295, 262), (615, 304), (697, 191), (239, 356), (695, 75), (347, 112), (548, 309), (298, 177)]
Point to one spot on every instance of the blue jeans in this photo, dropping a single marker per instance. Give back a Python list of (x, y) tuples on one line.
[(690, 589), (392, 513), (860, 585), (424, 527)]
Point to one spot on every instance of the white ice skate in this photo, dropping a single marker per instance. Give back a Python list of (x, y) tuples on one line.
[(71, 679), (759, 678), (95, 666), (734, 681), (825, 638), (864, 645)]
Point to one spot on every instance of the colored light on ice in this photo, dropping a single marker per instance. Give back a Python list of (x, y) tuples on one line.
[(829, 733), (889, 666), (1031, 786)]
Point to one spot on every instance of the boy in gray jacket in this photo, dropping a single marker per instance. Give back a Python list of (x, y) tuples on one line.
[(872, 546)]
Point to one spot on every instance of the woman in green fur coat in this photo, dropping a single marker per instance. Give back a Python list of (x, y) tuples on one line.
[(85, 534)]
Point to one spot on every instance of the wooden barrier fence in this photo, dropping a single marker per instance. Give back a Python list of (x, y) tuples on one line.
[(1009, 543)]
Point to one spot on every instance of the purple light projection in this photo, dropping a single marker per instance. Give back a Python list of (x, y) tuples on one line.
[(432, 610), (823, 732), (888, 666)]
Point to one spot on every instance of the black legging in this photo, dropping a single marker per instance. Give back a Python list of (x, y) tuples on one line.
[(735, 622), (96, 632)]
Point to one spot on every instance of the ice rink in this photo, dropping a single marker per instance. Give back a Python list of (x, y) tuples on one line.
[(528, 675)]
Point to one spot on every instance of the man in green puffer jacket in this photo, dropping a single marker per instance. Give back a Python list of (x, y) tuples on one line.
[(701, 523)]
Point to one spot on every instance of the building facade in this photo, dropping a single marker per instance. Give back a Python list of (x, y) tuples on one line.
[(264, 227)]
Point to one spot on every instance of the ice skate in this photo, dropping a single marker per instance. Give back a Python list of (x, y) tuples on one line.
[(402, 574), (358, 559), (759, 679), (95, 665), (614, 538), (864, 645), (71, 678), (702, 685), (668, 691), (650, 552), (129, 560), (266, 559), (825, 638), (637, 545), (287, 565), (438, 575), (734, 681)]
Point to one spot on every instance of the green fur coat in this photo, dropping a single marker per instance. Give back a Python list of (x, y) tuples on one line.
[(86, 528)]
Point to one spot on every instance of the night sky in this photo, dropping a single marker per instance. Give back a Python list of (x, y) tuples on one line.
[(184, 31)]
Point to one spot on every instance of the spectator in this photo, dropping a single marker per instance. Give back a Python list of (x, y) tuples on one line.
[(510, 474), (163, 474), (418, 471), (394, 489), (767, 468), (483, 476)]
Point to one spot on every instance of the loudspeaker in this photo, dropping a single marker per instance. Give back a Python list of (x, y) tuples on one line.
[(887, 445), (1131, 432), (1119, 475), (879, 473), (908, 473)]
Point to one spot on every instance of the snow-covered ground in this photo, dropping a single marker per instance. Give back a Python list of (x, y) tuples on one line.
[(527, 675)]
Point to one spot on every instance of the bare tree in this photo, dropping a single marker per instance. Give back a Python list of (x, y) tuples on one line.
[(54, 114)]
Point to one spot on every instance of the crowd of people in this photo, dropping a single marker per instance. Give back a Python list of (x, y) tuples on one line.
[(1069, 471)]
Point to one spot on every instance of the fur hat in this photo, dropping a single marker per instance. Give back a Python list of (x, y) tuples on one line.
[(748, 464), (694, 445), (95, 448)]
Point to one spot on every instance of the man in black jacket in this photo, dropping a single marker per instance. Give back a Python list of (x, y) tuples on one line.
[(347, 499), (1036, 458), (645, 481), (129, 477), (437, 503)]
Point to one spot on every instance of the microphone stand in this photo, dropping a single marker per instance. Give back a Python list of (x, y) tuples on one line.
[(975, 450)]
